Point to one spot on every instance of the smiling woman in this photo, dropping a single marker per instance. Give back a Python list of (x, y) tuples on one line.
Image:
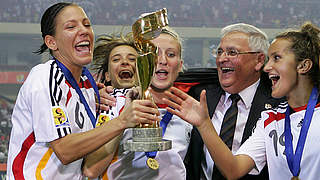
[(54, 116), (114, 59)]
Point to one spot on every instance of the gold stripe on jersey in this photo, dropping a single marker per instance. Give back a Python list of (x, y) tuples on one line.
[(42, 164)]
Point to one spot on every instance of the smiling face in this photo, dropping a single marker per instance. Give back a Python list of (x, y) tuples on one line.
[(72, 43), (238, 72), (282, 68), (122, 68), (169, 62)]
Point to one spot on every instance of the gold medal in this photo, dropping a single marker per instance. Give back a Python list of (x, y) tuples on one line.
[(295, 178), (153, 164)]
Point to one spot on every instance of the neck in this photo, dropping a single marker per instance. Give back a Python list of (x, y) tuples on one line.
[(75, 70), (300, 95), (157, 96)]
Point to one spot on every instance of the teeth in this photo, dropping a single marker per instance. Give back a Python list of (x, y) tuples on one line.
[(83, 43), (273, 76), (125, 74), (227, 69), (161, 71)]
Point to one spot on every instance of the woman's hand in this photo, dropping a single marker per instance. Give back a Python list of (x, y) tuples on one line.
[(106, 100), (186, 107)]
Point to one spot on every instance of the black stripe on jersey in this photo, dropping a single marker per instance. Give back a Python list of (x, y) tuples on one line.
[(50, 86), (65, 131), (56, 77), (59, 132), (69, 130)]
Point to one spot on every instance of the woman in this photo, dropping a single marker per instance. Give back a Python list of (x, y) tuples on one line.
[(132, 165), (54, 117), (293, 67)]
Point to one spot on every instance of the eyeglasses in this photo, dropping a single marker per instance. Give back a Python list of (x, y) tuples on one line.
[(231, 52)]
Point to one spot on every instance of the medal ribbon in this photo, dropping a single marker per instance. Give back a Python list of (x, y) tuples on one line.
[(163, 123), (294, 160), (75, 85)]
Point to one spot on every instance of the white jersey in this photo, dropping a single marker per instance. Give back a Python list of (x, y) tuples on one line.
[(47, 108), (267, 143), (132, 165)]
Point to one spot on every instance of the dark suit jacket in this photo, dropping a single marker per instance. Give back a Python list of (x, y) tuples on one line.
[(214, 91)]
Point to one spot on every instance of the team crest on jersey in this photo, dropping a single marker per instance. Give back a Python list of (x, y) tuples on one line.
[(60, 118), (102, 119)]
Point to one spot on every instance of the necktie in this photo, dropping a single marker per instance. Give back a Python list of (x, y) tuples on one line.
[(227, 130)]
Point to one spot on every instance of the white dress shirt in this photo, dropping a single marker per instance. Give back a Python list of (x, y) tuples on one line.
[(244, 106)]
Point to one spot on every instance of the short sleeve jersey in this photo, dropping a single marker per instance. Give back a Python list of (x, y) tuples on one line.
[(132, 165), (267, 143), (47, 108)]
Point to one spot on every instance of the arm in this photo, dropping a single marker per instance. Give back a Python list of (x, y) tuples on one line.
[(196, 113), (77, 145)]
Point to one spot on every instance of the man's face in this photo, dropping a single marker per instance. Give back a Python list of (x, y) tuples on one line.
[(237, 72), (122, 69)]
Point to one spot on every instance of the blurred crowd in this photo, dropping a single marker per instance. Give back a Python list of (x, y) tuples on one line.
[(6, 107), (182, 13)]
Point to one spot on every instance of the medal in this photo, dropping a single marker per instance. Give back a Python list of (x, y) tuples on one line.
[(152, 163), (295, 178)]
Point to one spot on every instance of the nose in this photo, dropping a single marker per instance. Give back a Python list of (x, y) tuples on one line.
[(162, 58), (267, 67), (84, 30), (124, 61)]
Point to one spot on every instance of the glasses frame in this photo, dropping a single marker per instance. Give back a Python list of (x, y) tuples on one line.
[(215, 54)]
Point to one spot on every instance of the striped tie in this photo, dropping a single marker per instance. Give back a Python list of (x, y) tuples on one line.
[(227, 130)]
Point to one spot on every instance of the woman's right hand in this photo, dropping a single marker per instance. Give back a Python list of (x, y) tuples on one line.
[(186, 107)]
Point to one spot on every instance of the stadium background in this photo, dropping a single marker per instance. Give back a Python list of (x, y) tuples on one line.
[(197, 21)]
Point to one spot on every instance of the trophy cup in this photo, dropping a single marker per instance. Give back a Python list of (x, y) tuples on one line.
[(147, 137)]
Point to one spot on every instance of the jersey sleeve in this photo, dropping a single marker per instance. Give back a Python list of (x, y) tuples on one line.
[(41, 106), (254, 147)]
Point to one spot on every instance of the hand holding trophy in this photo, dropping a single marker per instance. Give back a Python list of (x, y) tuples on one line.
[(148, 137)]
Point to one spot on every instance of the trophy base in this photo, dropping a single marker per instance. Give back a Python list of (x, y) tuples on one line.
[(163, 145), (146, 140)]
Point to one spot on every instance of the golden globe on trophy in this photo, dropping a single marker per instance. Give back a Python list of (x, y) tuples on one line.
[(146, 137)]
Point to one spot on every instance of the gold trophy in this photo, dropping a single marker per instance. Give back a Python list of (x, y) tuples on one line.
[(146, 137)]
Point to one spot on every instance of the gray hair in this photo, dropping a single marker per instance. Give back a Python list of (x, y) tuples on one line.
[(258, 40)]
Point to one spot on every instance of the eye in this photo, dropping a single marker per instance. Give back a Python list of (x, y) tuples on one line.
[(132, 58), (171, 54), (115, 59), (219, 52), (232, 52)]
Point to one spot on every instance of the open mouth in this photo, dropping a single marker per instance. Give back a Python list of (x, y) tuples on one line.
[(83, 46), (162, 73), (274, 78), (227, 69), (125, 74)]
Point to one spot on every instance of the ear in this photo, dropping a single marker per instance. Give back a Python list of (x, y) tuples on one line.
[(304, 66), (181, 66), (107, 77), (50, 42), (260, 61)]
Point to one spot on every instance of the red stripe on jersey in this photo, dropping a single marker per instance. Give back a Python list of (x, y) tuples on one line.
[(17, 166), (163, 106), (273, 117), (86, 84)]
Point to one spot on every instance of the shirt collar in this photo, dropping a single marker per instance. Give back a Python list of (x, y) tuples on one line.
[(246, 94)]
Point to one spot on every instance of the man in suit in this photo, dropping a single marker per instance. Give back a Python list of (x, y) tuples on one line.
[(240, 57)]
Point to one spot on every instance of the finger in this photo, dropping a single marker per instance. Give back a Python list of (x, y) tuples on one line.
[(203, 100), (175, 112), (182, 95), (103, 107), (173, 98), (171, 103), (100, 85), (109, 89)]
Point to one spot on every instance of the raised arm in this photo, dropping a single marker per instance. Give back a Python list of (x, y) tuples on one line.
[(196, 113)]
